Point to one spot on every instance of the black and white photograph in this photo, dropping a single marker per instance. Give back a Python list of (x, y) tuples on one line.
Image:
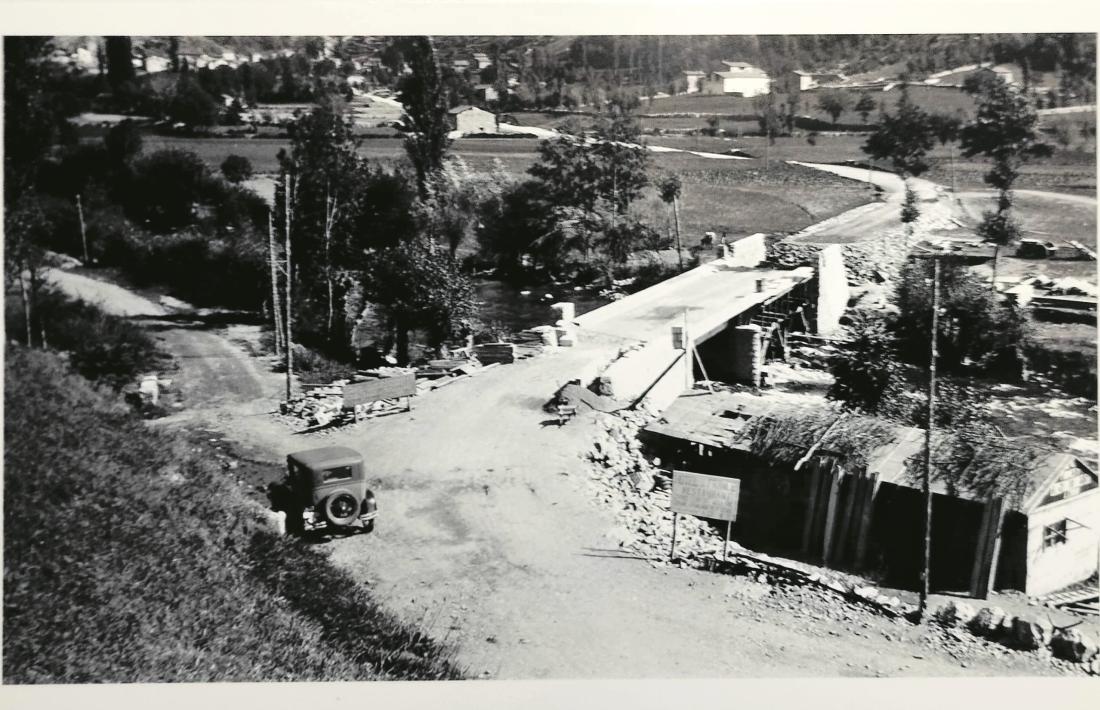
[(510, 357)]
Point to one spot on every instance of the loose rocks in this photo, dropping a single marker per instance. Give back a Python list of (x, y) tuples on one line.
[(1072, 645), (988, 621), (953, 614), (1031, 633)]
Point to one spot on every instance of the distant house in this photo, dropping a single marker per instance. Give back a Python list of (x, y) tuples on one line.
[(155, 65), (806, 80), (460, 65), (486, 92), (740, 79), (355, 80), (1046, 532), (694, 79), (957, 77), (470, 119), (480, 60)]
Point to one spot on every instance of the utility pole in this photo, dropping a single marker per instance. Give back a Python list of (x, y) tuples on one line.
[(927, 479), (276, 302), (289, 281), (83, 231)]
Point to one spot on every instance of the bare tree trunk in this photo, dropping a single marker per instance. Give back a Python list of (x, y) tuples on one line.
[(276, 302), (951, 157), (679, 244), (26, 306), (83, 231), (289, 284), (330, 220)]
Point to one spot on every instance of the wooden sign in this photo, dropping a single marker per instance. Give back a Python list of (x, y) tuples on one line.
[(703, 496), (373, 390)]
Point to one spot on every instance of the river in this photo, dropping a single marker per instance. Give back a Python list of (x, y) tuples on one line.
[(515, 309)]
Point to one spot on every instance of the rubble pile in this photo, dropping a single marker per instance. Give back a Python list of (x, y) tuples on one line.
[(318, 407), (874, 260), (1029, 632)]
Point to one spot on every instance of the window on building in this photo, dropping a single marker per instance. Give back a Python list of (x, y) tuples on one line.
[(1055, 534)]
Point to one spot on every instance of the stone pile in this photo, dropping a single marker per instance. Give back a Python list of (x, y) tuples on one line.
[(318, 407), (1029, 632)]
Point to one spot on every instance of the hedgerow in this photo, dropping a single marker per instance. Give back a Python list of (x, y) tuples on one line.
[(131, 557)]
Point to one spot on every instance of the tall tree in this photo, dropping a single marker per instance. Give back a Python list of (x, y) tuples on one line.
[(670, 189), (904, 138), (425, 119), (865, 106), (120, 67), (329, 177), (946, 128), (833, 103), (1005, 130)]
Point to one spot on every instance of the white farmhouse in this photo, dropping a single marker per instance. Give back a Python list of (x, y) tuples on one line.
[(741, 78), (694, 80), (470, 119)]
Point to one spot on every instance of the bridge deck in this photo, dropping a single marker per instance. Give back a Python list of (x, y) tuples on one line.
[(711, 295)]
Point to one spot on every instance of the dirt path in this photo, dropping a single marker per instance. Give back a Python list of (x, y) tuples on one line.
[(109, 297)]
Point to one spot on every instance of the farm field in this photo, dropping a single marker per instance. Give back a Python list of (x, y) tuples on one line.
[(738, 197)]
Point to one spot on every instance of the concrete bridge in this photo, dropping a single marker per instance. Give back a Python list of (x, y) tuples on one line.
[(715, 321)]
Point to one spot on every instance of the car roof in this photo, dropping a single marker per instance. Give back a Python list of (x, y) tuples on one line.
[(326, 456)]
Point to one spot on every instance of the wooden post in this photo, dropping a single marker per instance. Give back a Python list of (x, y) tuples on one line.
[(853, 484), (672, 551), (811, 508), (997, 520), (835, 477), (83, 231), (988, 549), (726, 544), (926, 564), (289, 281), (276, 302), (866, 516)]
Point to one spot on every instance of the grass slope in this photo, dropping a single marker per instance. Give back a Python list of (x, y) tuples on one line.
[(130, 558)]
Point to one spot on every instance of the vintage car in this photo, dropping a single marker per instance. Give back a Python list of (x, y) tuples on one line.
[(325, 488)]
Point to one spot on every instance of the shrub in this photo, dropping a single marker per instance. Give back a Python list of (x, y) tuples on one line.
[(105, 349), (236, 168), (129, 557)]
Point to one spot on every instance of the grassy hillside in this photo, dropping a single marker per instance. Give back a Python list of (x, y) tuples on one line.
[(129, 557)]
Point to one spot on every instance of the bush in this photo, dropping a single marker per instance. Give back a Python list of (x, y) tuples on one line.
[(236, 168), (105, 349), (130, 557)]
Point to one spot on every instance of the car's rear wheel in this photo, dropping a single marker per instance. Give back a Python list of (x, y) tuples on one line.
[(341, 509)]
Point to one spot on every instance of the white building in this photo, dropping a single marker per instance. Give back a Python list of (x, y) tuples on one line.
[(694, 80), (741, 78), (470, 119)]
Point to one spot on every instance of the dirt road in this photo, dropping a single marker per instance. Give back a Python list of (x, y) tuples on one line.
[(487, 537)]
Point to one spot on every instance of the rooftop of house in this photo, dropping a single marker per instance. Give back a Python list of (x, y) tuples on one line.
[(746, 73), (724, 420), (464, 108)]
